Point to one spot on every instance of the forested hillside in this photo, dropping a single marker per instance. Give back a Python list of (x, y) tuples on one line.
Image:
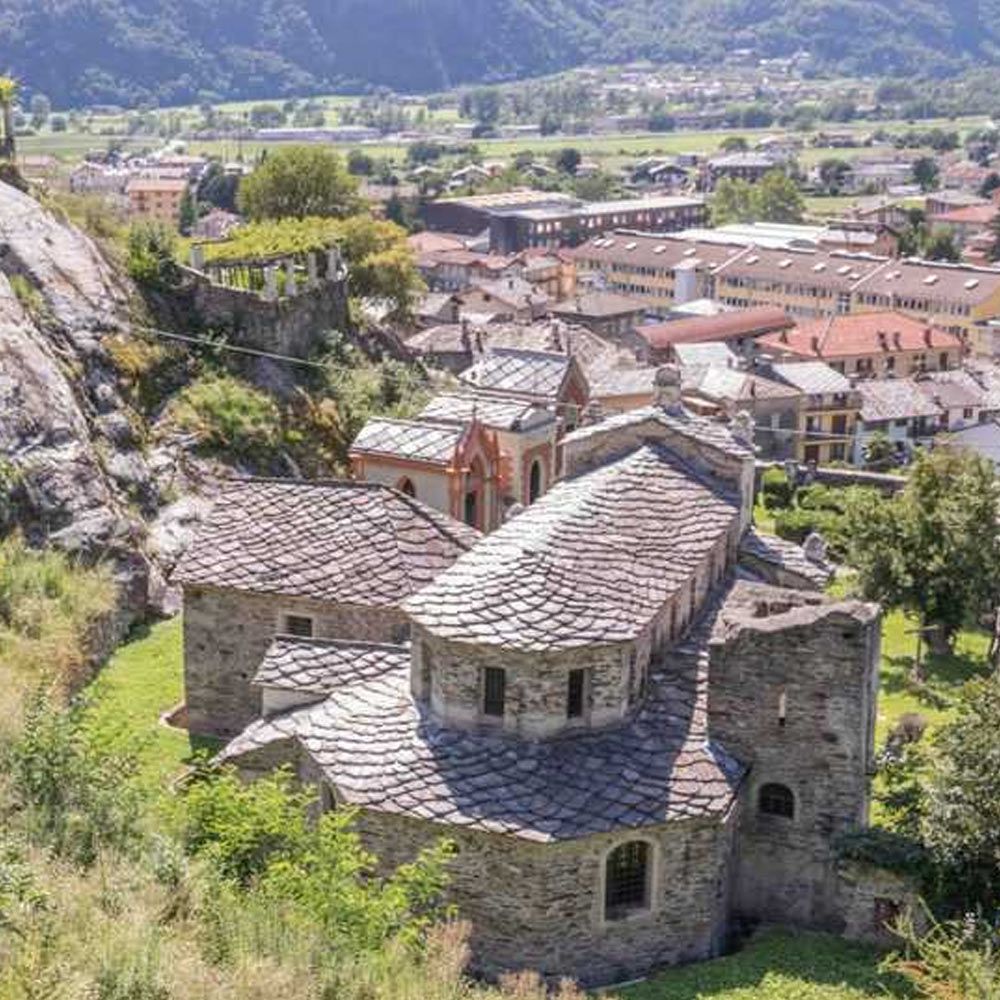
[(127, 51)]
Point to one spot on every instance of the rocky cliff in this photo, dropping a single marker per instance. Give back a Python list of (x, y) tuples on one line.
[(70, 446)]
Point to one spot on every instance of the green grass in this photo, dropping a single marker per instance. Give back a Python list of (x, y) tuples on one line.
[(143, 680), (780, 965)]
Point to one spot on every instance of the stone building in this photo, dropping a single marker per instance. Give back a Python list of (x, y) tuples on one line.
[(632, 735), (319, 560)]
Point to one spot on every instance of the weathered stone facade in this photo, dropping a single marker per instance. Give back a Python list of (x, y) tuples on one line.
[(227, 632), (541, 906)]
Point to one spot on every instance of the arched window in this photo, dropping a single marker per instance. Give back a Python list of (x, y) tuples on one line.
[(405, 485), (472, 511), (776, 800), (627, 879), (535, 481)]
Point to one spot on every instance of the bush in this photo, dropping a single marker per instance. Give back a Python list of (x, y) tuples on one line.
[(776, 490), (149, 259)]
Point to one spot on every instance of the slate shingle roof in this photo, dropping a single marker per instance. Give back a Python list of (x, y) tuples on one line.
[(591, 562), (417, 440), (531, 373), (323, 665), (351, 543), (894, 399), (786, 555), (492, 411), (381, 752)]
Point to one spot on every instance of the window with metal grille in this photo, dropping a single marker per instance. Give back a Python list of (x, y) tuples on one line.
[(777, 800), (494, 690), (300, 625), (626, 880), (576, 690)]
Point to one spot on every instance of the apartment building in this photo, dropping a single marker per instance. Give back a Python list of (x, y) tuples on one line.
[(666, 271), (156, 198)]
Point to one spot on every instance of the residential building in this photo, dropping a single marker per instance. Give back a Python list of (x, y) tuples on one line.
[(738, 328), (605, 313), (829, 409), (961, 224), (744, 166), (876, 344), (157, 198), (898, 410), (961, 398), (471, 215)]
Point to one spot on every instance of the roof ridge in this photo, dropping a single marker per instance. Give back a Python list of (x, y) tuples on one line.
[(315, 640)]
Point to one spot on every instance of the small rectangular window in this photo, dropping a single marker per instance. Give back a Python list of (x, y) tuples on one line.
[(299, 625), (494, 691), (575, 694)]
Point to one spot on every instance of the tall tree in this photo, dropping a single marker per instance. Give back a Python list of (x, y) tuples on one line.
[(733, 201), (925, 173), (298, 182), (8, 98), (776, 198), (935, 548)]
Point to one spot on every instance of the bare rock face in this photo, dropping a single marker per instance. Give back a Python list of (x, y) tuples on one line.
[(65, 429)]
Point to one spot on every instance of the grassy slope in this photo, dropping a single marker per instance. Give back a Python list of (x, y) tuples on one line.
[(141, 682), (779, 965)]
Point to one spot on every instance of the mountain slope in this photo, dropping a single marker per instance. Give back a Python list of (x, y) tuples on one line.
[(171, 50)]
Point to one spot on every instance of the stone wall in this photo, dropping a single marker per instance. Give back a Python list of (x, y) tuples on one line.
[(540, 906), (227, 632), (793, 692)]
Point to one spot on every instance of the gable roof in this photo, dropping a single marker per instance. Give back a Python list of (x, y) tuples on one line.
[(496, 412), (537, 374), (591, 562), (812, 377), (894, 399), (416, 440), (724, 326), (350, 543)]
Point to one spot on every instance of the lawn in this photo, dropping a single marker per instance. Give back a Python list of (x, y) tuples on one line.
[(142, 681), (779, 965)]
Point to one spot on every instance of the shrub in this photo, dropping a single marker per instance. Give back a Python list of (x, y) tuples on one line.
[(777, 491), (231, 417), (150, 255)]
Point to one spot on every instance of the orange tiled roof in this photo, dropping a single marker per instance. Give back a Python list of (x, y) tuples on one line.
[(741, 323), (859, 334)]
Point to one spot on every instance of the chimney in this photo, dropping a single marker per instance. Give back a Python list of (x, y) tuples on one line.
[(814, 343), (897, 340), (667, 386), (466, 339), (927, 335), (883, 340)]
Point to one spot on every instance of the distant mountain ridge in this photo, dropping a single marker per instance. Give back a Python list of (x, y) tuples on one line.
[(171, 51)]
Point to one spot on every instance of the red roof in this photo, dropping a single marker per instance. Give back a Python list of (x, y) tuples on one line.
[(859, 334), (977, 215), (725, 326)]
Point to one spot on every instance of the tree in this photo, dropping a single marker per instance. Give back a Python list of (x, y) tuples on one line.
[(567, 160), (934, 549), (267, 116), (941, 246), (187, 214), (219, 188), (41, 108), (962, 810), (660, 120), (925, 173), (733, 201), (776, 198), (298, 182), (360, 164), (8, 98), (734, 144), (989, 185), (832, 173)]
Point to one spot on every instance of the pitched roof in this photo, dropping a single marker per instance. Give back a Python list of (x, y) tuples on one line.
[(785, 555), (319, 666), (623, 382), (894, 399), (352, 543), (598, 304), (976, 215), (591, 562), (859, 334), (381, 752), (708, 352), (725, 326), (812, 377), (952, 389), (495, 412), (538, 374), (718, 382), (416, 440)]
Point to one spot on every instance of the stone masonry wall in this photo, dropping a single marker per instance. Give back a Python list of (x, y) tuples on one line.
[(792, 692), (540, 906), (227, 632)]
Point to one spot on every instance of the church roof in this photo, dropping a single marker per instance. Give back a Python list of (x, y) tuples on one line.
[(380, 751), (591, 562), (350, 543), (416, 440), (320, 666), (530, 373), (495, 412)]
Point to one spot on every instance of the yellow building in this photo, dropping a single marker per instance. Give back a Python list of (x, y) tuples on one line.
[(157, 198)]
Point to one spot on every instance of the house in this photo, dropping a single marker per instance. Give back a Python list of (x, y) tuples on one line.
[(877, 344), (962, 400), (744, 166), (738, 329), (551, 379), (829, 409), (981, 439), (961, 224), (898, 410), (619, 736), (511, 298), (607, 314), (618, 390), (453, 467), (775, 408), (157, 198), (323, 560)]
